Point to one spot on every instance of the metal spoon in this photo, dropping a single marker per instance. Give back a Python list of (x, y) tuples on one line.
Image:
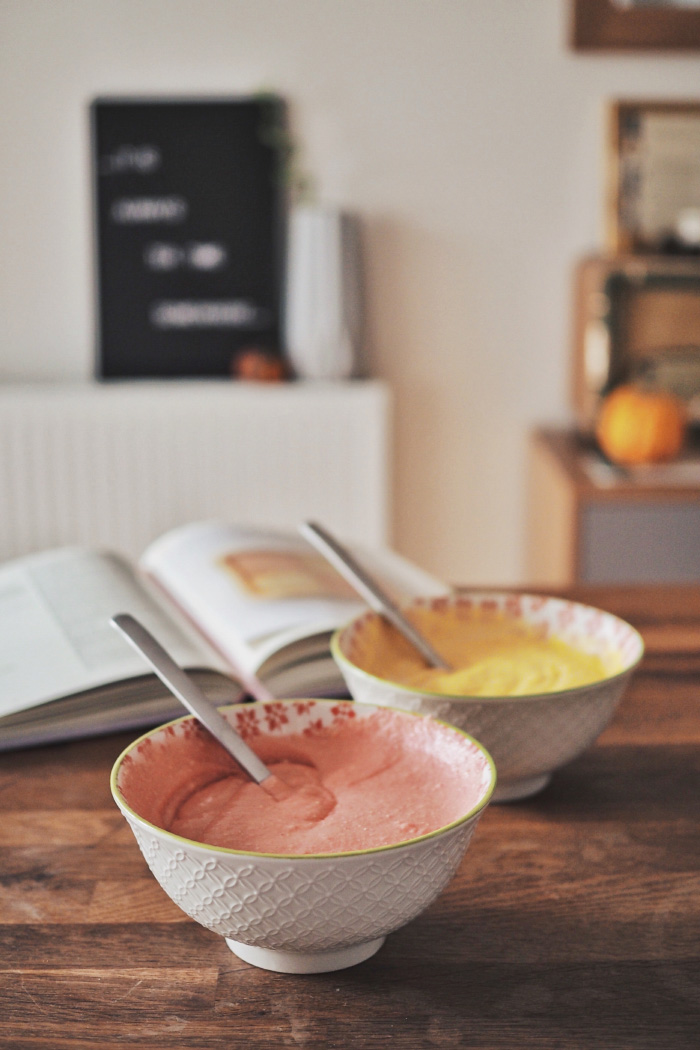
[(188, 692), (368, 588)]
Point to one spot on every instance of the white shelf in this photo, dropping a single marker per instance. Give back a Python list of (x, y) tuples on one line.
[(116, 464)]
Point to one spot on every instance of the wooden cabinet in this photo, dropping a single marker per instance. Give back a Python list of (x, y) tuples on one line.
[(590, 523)]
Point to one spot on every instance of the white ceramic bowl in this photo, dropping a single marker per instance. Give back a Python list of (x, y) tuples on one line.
[(298, 914), (528, 736)]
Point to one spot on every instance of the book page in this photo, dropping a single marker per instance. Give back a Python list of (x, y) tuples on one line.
[(55, 635), (253, 591)]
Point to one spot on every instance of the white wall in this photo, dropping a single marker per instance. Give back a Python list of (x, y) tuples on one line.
[(464, 132)]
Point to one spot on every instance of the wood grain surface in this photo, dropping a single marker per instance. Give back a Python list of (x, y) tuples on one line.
[(574, 920)]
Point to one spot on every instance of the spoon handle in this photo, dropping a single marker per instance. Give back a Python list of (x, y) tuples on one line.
[(350, 569), (188, 693)]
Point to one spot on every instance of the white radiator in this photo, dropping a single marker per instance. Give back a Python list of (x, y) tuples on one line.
[(115, 465)]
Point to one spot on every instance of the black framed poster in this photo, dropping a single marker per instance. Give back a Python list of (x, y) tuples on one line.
[(189, 222)]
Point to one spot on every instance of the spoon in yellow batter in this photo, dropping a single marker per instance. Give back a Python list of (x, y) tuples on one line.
[(368, 588), (188, 693)]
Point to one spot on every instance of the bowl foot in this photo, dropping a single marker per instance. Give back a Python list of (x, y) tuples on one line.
[(510, 791), (305, 962)]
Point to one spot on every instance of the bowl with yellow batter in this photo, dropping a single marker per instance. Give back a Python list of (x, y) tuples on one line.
[(534, 678)]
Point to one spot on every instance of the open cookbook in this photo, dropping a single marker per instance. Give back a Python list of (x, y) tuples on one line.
[(225, 601)]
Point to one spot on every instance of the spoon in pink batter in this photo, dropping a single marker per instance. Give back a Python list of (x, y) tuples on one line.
[(188, 693)]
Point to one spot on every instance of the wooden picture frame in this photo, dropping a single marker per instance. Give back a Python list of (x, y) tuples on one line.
[(635, 317), (653, 177), (634, 25)]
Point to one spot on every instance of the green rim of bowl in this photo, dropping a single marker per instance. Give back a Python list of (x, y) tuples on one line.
[(480, 805), (341, 659)]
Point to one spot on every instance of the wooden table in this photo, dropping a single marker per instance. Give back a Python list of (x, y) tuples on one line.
[(574, 921)]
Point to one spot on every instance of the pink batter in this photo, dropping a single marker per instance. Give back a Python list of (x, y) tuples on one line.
[(359, 784)]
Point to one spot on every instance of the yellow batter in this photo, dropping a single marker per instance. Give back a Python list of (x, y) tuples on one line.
[(492, 655)]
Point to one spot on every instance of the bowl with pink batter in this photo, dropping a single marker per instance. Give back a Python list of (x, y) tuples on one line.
[(383, 807)]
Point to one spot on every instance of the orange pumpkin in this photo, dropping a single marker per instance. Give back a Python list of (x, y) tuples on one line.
[(636, 425), (258, 365)]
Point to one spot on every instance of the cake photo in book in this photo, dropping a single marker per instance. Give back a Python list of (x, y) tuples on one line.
[(226, 601)]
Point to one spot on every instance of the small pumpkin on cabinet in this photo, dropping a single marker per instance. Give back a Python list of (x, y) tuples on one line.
[(258, 364), (638, 425)]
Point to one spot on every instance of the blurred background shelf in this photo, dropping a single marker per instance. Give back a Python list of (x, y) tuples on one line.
[(117, 464), (588, 522)]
